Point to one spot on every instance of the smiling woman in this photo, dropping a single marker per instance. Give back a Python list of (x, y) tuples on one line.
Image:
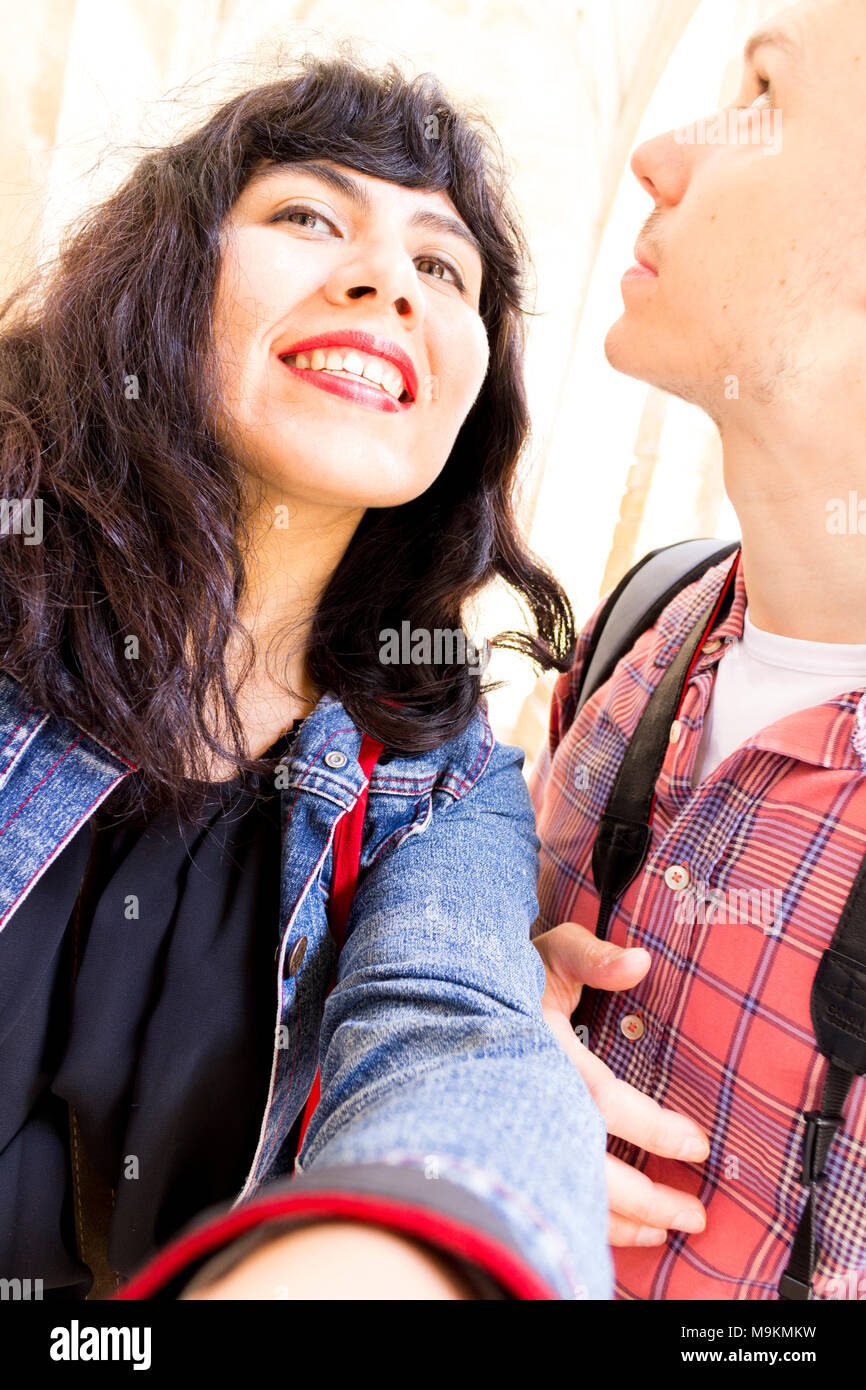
[(320, 257), (317, 297), (242, 496)]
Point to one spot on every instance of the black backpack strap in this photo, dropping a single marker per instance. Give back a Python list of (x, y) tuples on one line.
[(625, 827), (838, 1007), (638, 600), (821, 1126)]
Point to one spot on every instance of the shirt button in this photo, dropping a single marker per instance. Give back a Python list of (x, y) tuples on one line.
[(712, 646), (633, 1027), (335, 759), (674, 735), (677, 876), (299, 950)]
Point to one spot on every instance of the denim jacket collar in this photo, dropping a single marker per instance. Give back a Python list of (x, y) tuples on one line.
[(82, 770)]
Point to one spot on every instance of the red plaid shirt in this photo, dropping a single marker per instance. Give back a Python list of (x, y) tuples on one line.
[(761, 854)]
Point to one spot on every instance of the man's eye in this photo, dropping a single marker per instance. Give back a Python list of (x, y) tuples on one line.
[(288, 213), (456, 277), (765, 96)]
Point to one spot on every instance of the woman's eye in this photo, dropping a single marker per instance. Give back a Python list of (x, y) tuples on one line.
[(310, 213), (307, 218), (456, 278)]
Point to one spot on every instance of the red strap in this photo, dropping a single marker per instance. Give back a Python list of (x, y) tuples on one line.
[(431, 1227), (344, 880)]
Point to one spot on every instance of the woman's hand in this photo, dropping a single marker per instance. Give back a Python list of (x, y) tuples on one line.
[(641, 1211)]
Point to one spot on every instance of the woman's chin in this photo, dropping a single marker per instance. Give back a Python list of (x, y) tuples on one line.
[(380, 483)]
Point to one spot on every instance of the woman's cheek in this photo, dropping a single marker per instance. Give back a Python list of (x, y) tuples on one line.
[(463, 375), (480, 360)]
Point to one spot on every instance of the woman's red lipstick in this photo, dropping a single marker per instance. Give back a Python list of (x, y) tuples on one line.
[(355, 390)]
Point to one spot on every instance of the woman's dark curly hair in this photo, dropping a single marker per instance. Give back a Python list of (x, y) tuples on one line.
[(143, 507)]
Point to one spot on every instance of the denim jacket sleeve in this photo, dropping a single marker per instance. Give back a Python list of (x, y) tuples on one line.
[(435, 1054), (448, 1110)]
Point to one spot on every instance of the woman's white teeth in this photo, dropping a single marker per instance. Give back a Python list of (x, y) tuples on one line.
[(374, 370), (350, 362)]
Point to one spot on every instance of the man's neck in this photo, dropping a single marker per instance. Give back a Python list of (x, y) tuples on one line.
[(805, 576)]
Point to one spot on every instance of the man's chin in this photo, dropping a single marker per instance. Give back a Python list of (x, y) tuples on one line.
[(627, 354), (632, 355)]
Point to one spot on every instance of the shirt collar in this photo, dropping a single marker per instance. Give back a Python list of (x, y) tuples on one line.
[(831, 735), (676, 621)]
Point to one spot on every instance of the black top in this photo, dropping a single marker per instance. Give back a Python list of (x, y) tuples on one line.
[(165, 1045)]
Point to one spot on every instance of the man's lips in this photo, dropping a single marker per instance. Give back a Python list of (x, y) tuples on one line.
[(642, 269), (363, 342)]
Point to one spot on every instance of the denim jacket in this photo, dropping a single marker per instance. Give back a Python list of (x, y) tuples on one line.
[(448, 1109)]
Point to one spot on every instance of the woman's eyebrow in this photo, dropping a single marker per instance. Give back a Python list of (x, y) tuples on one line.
[(441, 222), (357, 193)]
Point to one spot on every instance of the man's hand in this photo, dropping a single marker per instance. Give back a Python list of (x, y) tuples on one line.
[(641, 1211)]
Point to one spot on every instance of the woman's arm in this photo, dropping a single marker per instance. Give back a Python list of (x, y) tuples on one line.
[(436, 1055), (338, 1259), (449, 1114)]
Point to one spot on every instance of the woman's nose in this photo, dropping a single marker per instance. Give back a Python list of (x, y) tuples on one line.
[(401, 303), (385, 281)]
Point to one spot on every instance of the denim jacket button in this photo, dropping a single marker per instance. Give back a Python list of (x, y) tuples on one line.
[(299, 950), (335, 759)]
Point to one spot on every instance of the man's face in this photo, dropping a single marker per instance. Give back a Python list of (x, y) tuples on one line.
[(759, 243), (347, 326)]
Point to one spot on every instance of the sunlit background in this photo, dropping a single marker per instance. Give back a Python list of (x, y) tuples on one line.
[(616, 468)]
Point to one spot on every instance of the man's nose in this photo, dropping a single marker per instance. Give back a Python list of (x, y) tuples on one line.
[(662, 166)]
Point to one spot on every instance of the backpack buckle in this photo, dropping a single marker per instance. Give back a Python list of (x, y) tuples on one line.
[(817, 1124), (793, 1289)]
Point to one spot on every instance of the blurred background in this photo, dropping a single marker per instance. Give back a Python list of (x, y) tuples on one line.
[(616, 468)]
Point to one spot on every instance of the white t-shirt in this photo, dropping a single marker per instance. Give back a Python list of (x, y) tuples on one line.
[(764, 677)]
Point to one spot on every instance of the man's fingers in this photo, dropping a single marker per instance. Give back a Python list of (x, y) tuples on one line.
[(621, 1232), (636, 1202), (574, 957), (637, 1118), (627, 1112)]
